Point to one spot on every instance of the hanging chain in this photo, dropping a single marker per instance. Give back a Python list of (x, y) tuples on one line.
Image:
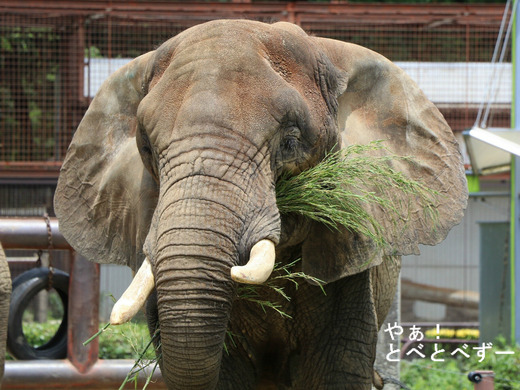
[(50, 246), (39, 260)]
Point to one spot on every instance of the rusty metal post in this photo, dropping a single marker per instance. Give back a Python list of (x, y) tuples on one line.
[(82, 370), (483, 380), (291, 13), (83, 313)]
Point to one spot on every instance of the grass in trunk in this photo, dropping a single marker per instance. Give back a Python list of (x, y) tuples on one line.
[(341, 189)]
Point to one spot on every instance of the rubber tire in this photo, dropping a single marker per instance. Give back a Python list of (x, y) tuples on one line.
[(25, 288), (29, 274)]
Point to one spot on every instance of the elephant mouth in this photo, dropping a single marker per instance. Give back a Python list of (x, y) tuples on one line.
[(256, 271)]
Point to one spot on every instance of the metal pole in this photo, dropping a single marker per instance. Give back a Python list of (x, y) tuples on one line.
[(515, 192), (483, 380), (30, 233), (61, 374)]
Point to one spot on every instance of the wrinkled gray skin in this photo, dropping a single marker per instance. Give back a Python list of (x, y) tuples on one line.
[(177, 158), (5, 299)]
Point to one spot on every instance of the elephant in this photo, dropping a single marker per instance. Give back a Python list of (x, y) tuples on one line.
[(173, 170), (5, 299)]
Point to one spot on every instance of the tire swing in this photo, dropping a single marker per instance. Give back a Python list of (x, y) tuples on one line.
[(25, 287)]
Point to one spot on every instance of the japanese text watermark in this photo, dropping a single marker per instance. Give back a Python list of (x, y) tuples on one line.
[(439, 354)]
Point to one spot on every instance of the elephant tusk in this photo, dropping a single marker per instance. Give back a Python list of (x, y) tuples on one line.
[(260, 264), (135, 295)]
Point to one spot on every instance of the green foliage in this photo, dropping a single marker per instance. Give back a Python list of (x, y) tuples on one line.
[(28, 122), (425, 374), (341, 189), (144, 360), (93, 52), (452, 373), (505, 367), (126, 341), (129, 341), (38, 334), (281, 272)]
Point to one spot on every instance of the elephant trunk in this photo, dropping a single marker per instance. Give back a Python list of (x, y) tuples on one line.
[(199, 236), (193, 318)]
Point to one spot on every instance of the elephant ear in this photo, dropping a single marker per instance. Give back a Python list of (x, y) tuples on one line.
[(105, 197), (381, 103)]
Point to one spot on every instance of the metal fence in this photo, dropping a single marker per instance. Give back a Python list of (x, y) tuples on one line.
[(47, 52)]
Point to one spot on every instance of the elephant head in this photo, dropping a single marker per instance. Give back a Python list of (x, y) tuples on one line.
[(178, 155)]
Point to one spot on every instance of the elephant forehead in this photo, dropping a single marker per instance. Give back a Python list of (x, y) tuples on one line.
[(243, 51), (233, 73), (237, 41)]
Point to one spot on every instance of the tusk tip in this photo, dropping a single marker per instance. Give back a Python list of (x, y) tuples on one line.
[(120, 314), (135, 295), (240, 274), (116, 321)]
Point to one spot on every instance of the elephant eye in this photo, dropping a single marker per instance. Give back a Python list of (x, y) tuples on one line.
[(289, 144), (291, 138)]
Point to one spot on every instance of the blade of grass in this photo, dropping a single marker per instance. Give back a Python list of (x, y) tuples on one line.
[(96, 335), (132, 375), (281, 272)]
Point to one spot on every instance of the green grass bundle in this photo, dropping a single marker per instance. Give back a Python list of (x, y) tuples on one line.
[(341, 189)]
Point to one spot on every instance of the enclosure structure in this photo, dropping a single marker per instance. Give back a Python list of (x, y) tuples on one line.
[(54, 55), (80, 368)]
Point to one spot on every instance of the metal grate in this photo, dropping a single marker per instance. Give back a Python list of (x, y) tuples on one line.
[(49, 60), (37, 84), (26, 200)]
